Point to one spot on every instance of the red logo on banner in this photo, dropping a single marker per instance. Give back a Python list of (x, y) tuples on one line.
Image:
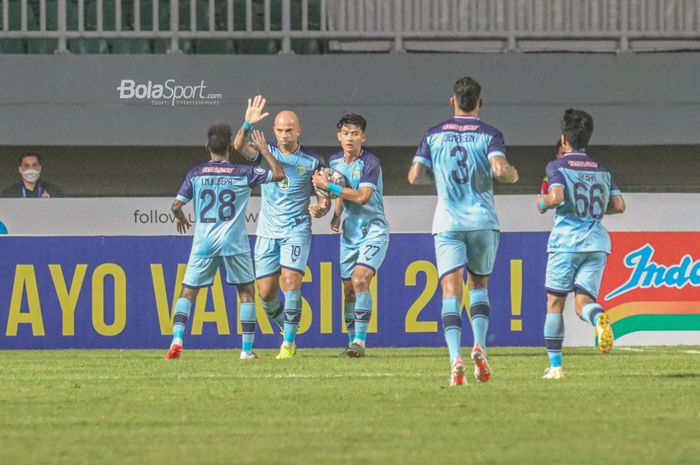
[(652, 282)]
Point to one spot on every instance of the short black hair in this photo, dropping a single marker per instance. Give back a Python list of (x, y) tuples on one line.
[(30, 154), (577, 127), (354, 119), (219, 138), (467, 93)]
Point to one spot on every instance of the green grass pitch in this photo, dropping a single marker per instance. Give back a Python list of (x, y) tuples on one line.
[(393, 407)]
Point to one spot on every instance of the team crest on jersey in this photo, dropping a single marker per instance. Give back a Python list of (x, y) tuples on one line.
[(356, 173), (283, 184), (301, 170)]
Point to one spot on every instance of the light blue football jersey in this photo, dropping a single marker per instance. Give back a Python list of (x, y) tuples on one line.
[(588, 186), (458, 151), (363, 222), (285, 204), (220, 191)]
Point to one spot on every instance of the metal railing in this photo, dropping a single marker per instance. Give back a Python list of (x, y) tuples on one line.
[(507, 25)]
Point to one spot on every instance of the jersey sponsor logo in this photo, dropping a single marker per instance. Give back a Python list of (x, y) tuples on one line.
[(459, 127), (646, 273), (283, 184), (582, 164), (258, 170), (217, 170)]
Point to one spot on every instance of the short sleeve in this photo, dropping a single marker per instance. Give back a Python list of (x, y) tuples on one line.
[(370, 173), (257, 175), (184, 195), (614, 188), (497, 145), (423, 155), (554, 176)]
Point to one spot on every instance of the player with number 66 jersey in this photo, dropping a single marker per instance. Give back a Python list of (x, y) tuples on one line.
[(582, 191)]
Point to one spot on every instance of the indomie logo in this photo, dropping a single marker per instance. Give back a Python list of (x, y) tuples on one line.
[(646, 273)]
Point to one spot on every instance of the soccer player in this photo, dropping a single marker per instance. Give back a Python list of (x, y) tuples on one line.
[(365, 230), (544, 186), (462, 156), (582, 191), (283, 238), (220, 191)]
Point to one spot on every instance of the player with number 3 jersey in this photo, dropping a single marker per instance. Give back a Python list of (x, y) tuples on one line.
[(462, 156)]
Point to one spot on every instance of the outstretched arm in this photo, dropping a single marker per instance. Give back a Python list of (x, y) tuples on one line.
[(502, 170), (419, 174), (259, 144), (253, 115)]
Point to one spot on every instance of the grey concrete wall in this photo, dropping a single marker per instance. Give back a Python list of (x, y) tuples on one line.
[(637, 99)]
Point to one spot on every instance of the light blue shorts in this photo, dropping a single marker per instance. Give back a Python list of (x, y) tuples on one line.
[(475, 249), (369, 253), (200, 271), (569, 271), (272, 254)]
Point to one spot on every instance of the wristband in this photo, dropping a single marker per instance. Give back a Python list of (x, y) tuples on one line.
[(334, 189), (247, 126), (543, 207)]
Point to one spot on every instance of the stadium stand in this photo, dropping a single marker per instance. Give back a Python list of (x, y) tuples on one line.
[(331, 26)]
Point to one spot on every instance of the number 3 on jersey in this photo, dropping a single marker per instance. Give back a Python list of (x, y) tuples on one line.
[(461, 174), (226, 210)]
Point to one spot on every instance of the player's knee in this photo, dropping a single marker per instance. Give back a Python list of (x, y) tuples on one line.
[(189, 293), (246, 293), (360, 281), (291, 281)]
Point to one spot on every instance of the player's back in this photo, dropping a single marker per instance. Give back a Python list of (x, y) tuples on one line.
[(284, 211), (588, 186), (458, 152), (220, 191)]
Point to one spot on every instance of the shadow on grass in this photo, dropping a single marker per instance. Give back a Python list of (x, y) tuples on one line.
[(679, 375)]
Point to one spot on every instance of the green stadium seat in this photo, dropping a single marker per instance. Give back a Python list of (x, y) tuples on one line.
[(258, 47), (306, 47), (215, 47), (88, 46), (135, 46), (12, 46)]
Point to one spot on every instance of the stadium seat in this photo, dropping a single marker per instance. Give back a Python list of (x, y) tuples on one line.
[(88, 46), (258, 47), (12, 46), (135, 46), (306, 47), (214, 46)]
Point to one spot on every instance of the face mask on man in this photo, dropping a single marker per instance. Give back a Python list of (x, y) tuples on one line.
[(31, 175)]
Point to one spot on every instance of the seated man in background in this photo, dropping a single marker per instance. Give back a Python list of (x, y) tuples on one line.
[(30, 186)]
